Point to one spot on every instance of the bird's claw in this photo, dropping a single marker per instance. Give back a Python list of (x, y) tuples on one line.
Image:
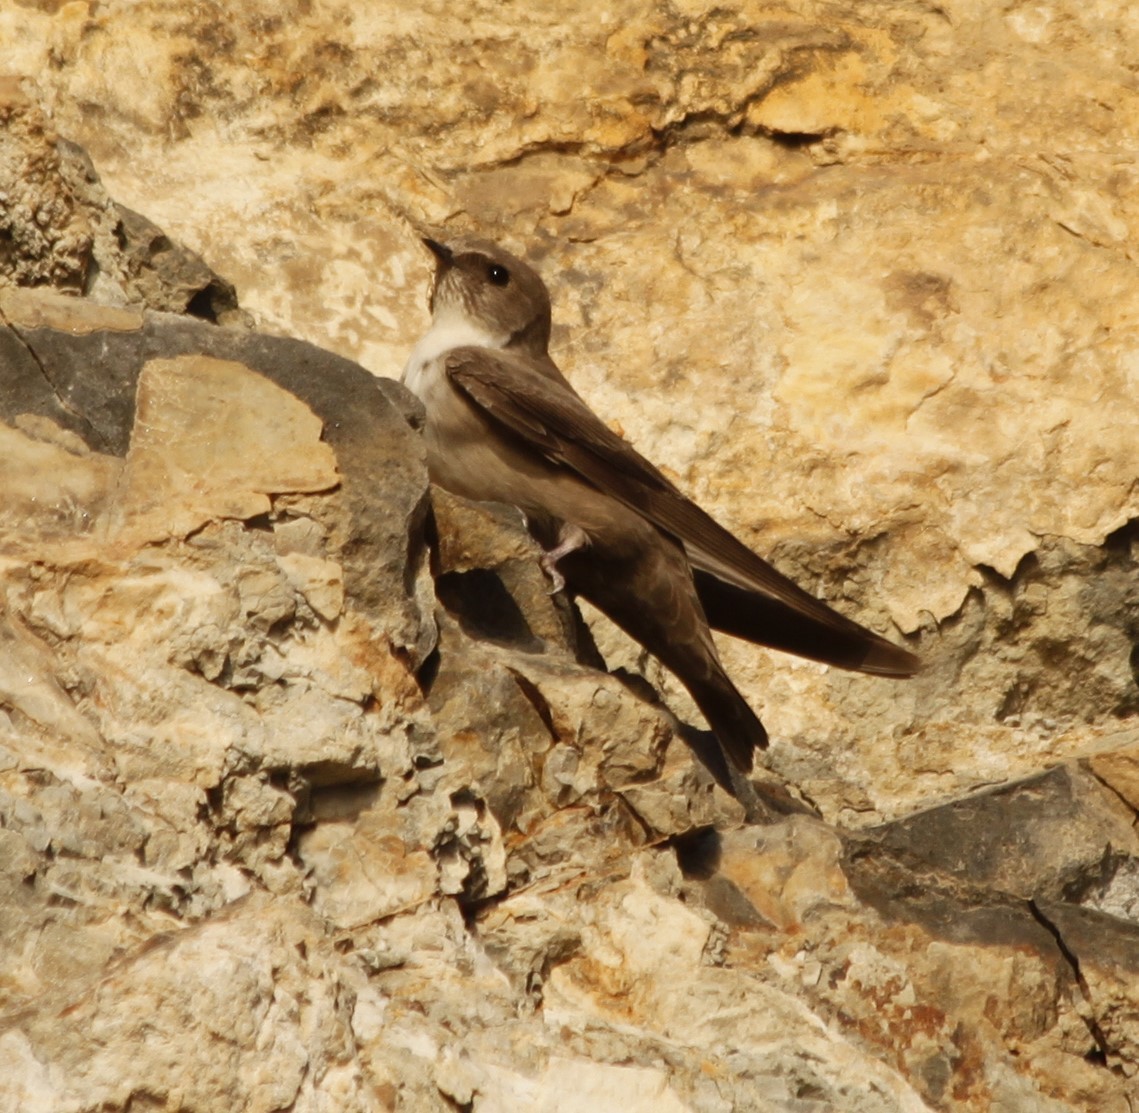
[(557, 580), (570, 538)]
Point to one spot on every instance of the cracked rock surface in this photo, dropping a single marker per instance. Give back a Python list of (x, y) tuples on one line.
[(312, 798), (832, 266)]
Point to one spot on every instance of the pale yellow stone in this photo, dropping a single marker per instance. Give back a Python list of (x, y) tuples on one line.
[(33, 309), (213, 439), (63, 741), (789, 871), (320, 581), (365, 871), (48, 488), (859, 279), (1120, 771)]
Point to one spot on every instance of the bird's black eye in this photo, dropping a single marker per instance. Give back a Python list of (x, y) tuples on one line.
[(499, 275)]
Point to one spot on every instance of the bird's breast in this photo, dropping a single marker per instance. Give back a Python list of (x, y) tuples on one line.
[(427, 362)]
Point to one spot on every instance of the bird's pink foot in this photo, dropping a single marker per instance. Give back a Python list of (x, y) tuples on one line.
[(570, 538)]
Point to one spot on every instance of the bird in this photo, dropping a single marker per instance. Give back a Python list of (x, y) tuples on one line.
[(503, 424)]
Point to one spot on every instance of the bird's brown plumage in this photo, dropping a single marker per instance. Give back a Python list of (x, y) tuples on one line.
[(504, 425)]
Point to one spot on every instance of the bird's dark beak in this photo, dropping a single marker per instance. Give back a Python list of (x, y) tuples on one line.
[(440, 250)]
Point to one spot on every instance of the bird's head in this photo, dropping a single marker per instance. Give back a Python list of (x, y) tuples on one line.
[(487, 287)]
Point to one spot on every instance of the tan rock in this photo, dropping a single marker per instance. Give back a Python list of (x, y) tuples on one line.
[(364, 871), (48, 238), (1119, 769), (258, 979), (213, 440), (320, 581), (856, 291), (847, 284)]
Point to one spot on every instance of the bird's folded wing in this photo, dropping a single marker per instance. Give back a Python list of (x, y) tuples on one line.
[(558, 424)]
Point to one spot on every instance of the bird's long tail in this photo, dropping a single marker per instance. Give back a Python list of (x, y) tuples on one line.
[(818, 633), (652, 597)]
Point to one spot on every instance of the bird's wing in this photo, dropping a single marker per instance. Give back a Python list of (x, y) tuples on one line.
[(555, 422)]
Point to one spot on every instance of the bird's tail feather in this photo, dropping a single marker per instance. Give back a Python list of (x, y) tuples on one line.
[(771, 622), (737, 728)]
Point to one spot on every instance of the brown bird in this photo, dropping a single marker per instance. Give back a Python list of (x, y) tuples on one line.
[(504, 425)]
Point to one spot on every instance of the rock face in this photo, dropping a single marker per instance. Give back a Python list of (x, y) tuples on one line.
[(312, 798)]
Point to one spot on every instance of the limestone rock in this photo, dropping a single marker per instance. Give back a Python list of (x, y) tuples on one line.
[(310, 796), (841, 276), (473, 866), (59, 227)]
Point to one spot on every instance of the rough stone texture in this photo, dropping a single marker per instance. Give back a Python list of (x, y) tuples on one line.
[(279, 831), (59, 227), (834, 265)]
